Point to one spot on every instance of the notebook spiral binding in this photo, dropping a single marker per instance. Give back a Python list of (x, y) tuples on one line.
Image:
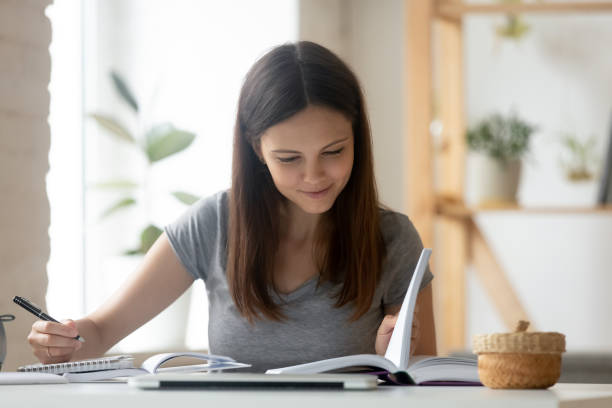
[(104, 363)]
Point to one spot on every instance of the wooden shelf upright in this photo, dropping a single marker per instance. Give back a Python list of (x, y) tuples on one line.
[(435, 203)]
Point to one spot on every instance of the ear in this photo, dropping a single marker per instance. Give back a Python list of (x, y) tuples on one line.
[(257, 150)]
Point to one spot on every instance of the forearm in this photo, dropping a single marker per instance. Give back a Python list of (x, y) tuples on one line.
[(159, 280)]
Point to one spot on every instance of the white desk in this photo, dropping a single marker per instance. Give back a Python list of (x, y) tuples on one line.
[(116, 395)]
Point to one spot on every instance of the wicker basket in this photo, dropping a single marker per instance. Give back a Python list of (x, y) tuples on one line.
[(520, 359)]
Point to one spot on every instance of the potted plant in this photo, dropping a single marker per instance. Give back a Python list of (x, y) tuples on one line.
[(579, 159), (498, 144), (514, 27), (580, 162), (155, 144)]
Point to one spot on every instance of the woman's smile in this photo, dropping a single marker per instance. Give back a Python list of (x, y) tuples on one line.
[(317, 194)]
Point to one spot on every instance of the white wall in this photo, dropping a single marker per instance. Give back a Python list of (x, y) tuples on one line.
[(377, 56), (368, 36), (326, 22)]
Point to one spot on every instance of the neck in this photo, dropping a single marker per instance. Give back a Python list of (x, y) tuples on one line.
[(297, 225)]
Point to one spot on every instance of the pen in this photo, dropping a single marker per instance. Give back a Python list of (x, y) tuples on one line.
[(35, 310)]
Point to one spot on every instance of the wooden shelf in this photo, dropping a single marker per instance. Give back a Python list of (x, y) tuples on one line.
[(454, 10), (434, 36), (459, 210)]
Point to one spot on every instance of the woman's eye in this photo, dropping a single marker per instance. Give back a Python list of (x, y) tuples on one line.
[(287, 159), (334, 152)]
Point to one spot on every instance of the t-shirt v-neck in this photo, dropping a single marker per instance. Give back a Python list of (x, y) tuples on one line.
[(306, 288)]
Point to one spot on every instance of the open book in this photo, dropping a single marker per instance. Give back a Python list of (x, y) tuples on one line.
[(152, 365), (397, 361)]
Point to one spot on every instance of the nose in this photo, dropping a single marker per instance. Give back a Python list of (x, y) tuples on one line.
[(314, 172)]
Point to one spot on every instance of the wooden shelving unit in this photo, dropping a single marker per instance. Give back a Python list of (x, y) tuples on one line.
[(456, 9), (439, 207), (454, 209)]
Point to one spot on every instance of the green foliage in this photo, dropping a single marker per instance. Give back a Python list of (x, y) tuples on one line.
[(185, 198), (147, 238), (515, 27), (116, 185), (114, 127), (123, 203), (580, 157), (124, 91), (161, 141), (502, 138), (165, 140)]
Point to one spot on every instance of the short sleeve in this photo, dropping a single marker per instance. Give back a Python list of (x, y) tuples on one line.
[(196, 235), (404, 247)]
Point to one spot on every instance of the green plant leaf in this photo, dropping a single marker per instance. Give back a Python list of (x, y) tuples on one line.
[(165, 140), (185, 198), (124, 91), (115, 185), (502, 138), (123, 203), (113, 126), (148, 237), (515, 28)]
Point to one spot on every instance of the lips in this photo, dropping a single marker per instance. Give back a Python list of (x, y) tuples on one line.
[(317, 194)]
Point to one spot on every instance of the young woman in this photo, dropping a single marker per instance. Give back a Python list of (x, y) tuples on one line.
[(300, 261)]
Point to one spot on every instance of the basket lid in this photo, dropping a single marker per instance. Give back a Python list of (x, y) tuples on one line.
[(520, 341)]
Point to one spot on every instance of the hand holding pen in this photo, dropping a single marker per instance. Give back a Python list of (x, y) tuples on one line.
[(51, 340)]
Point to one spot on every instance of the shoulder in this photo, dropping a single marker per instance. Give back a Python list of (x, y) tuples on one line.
[(396, 227), (209, 209), (201, 218), (403, 244), (403, 248), (214, 203), (198, 234)]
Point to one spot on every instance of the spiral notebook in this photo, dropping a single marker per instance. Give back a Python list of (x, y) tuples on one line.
[(104, 363), (123, 366)]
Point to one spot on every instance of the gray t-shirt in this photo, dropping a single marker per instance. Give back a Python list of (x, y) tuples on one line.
[(314, 329)]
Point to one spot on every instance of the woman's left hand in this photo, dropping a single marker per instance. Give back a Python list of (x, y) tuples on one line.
[(385, 330)]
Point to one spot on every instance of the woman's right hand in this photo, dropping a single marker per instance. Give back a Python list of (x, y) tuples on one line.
[(53, 342)]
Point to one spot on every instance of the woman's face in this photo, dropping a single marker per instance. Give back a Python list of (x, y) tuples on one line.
[(310, 157)]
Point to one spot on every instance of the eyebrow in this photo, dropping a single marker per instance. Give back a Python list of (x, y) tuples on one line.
[(324, 147)]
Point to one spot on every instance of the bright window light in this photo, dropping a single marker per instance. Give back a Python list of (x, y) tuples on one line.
[(185, 62)]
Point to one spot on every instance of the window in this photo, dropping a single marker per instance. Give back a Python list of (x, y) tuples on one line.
[(184, 61)]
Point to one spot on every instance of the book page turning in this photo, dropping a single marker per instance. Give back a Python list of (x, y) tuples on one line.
[(398, 350)]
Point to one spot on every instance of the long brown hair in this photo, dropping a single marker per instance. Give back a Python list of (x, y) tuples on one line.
[(348, 242)]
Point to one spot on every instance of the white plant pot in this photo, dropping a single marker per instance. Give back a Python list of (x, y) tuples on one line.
[(166, 331), (491, 182)]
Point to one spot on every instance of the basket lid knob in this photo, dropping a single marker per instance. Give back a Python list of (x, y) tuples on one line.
[(521, 326)]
